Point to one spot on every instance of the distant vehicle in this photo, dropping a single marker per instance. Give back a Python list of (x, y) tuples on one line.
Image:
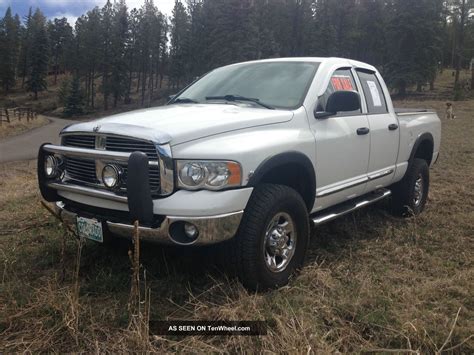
[(250, 154)]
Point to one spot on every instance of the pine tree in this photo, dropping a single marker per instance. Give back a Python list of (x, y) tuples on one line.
[(263, 18), (39, 55), (74, 99), (88, 52), (119, 39), (106, 55), (131, 52), (461, 9), (180, 40), (9, 47), (411, 59), (25, 44), (150, 41), (61, 37), (63, 92)]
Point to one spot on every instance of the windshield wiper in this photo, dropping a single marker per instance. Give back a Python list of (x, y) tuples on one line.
[(239, 98), (184, 100)]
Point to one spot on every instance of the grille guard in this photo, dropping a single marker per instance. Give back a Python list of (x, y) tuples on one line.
[(138, 198)]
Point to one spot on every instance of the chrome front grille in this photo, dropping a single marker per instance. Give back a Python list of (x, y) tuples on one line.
[(127, 145), (84, 170), (79, 141), (80, 169)]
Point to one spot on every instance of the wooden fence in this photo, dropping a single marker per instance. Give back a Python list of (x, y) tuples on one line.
[(18, 113)]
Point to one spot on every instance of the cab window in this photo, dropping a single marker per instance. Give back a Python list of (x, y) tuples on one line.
[(341, 80), (373, 92)]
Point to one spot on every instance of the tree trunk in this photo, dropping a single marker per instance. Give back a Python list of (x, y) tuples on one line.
[(130, 79), (460, 44), (143, 84), (55, 69), (139, 81), (472, 77), (105, 88), (402, 89), (92, 88)]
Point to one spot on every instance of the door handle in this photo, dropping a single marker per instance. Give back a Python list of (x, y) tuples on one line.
[(362, 131), (392, 127)]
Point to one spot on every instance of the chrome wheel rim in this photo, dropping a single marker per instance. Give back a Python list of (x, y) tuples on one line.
[(280, 242), (418, 192)]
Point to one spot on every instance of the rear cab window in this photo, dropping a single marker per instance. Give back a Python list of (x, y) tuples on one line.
[(374, 96)]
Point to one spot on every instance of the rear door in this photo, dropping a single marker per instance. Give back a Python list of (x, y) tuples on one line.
[(342, 154), (384, 132)]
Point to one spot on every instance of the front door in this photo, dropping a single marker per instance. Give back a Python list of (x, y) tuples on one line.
[(342, 148)]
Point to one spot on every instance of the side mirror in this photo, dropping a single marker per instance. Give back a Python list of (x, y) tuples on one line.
[(171, 97), (340, 101)]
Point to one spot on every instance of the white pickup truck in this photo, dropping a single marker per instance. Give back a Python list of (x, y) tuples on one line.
[(250, 154)]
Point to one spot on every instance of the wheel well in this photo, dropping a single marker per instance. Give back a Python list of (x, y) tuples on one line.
[(295, 176), (425, 151)]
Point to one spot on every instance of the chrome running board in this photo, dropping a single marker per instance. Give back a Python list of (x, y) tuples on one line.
[(349, 206)]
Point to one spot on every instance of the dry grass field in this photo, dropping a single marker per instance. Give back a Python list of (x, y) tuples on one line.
[(371, 282), (16, 127)]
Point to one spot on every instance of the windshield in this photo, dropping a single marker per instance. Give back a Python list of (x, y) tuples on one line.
[(273, 84)]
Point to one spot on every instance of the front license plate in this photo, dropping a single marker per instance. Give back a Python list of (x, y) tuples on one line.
[(90, 229)]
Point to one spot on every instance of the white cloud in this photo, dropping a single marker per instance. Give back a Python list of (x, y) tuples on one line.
[(70, 17), (165, 6)]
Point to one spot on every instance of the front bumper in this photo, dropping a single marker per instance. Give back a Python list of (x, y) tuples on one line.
[(212, 229), (216, 215)]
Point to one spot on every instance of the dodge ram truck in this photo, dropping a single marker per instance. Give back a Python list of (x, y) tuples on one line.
[(250, 155)]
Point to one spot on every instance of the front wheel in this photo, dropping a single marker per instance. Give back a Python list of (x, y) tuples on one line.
[(272, 239)]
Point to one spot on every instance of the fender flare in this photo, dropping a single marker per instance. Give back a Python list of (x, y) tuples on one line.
[(422, 138), (281, 159)]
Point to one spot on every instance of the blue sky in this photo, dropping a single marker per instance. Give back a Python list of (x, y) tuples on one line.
[(71, 9)]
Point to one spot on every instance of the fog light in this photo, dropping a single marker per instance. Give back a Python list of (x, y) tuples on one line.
[(51, 166), (111, 175), (190, 230)]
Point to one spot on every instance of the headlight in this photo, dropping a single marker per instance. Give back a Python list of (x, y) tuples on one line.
[(211, 175), (51, 166), (111, 175)]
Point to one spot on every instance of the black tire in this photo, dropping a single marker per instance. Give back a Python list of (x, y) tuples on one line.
[(405, 199), (246, 252)]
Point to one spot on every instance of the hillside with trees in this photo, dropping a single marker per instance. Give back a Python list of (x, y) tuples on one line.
[(116, 56)]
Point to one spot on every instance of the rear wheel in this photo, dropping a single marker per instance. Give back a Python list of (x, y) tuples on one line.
[(411, 193), (272, 239)]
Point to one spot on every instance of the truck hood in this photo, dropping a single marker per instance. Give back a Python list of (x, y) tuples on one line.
[(181, 123)]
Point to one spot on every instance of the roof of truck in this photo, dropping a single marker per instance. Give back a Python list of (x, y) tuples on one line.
[(326, 60)]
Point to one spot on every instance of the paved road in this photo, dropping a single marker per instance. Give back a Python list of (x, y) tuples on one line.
[(25, 146)]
